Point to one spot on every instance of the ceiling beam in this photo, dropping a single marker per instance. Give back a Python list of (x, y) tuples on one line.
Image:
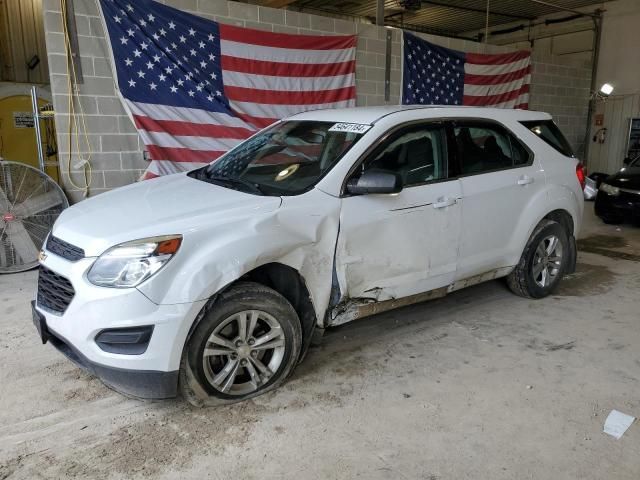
[(429, 30), (565, 9), (475, 10), (276, 3)]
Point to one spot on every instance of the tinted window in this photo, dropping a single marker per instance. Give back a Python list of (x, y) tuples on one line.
[(550, 133), (519, 154), (418, 154), (483, 148)]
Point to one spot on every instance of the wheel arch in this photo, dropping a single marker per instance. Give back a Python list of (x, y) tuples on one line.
[(285, 280), (289, 283), (564, 218), (554, 202)]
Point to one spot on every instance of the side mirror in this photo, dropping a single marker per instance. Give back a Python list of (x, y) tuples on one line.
[(375, 182)]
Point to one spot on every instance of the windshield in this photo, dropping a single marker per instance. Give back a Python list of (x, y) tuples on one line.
[(286, 159)]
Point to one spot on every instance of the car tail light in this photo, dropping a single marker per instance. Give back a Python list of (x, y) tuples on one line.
[(581, 173)]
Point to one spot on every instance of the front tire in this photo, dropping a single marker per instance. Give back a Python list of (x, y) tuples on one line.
[(246, 344), (543, 262)]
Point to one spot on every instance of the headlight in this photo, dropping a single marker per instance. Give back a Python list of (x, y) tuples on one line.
[(611, 190), (129, 264)]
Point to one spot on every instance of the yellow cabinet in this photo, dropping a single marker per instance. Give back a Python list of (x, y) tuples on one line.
[(17, 134)]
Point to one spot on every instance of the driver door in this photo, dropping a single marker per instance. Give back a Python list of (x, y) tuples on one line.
[(396, 245)]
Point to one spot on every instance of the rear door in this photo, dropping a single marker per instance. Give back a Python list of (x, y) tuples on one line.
[(396, 245), (498, 176)]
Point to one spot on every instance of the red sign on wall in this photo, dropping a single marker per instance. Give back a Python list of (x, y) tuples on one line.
[(599, 119)]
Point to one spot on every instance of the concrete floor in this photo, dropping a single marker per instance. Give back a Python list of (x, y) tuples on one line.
[(479, 385)]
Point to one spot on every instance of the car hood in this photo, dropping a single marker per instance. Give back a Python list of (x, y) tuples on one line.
[(175, 204), (628, 177)]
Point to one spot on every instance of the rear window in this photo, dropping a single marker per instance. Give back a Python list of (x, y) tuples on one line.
[(550, 133)]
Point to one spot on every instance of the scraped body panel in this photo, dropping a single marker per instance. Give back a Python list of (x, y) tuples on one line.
[(394, 246)]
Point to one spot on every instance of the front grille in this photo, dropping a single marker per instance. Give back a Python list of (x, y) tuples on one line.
[(55, 292), (64, 249)]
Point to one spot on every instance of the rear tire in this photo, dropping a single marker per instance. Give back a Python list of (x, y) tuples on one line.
[(543, 262), (246, 344)]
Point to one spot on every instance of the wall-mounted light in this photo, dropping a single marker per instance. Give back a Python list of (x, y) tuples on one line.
[(602, 93), (606, 89)]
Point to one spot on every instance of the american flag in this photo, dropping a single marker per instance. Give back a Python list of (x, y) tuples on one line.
[(435, 75), (196, 88)]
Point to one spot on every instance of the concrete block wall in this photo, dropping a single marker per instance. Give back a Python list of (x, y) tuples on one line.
[(561, 87), (112, 143), (117, 157)]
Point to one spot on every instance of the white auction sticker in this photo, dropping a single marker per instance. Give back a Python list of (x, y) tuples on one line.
[(350, 127)]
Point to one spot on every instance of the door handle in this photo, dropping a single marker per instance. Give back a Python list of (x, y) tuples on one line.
[(525, 180), (444, 202)]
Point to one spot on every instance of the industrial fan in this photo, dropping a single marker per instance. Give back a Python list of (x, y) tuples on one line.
[(30, 202)]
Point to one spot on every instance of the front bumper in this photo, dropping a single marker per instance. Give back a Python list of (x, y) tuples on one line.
[(150, 374), (622, 207), (137, 383)]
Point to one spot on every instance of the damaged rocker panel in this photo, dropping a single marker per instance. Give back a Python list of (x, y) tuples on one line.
[(355, 308)]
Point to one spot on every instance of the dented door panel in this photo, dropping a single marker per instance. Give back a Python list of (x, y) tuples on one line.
[(394, 246)]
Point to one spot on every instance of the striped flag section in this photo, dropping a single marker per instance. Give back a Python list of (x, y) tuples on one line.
[(196, 88), (435, 75)]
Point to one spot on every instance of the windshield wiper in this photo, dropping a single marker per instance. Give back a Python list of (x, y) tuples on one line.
[(254, 187)]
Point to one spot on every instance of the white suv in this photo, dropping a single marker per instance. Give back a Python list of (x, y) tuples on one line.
[(213, 282)]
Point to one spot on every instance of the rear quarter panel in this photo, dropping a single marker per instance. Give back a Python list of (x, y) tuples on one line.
[(562, 190)]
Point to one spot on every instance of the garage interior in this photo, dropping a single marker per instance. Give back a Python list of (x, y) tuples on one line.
[(479, 384)]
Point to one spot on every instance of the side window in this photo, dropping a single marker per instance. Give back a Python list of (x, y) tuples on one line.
[(486, 148), (417, 154), (518, 152)]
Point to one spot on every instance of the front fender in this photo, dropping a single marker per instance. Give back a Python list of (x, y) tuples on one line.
[(300, 234)]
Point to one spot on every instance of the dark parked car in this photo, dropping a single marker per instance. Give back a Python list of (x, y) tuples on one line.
[(618, 197)]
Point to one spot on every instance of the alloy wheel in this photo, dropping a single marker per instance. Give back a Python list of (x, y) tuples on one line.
[(244, 352), (547, 261)]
